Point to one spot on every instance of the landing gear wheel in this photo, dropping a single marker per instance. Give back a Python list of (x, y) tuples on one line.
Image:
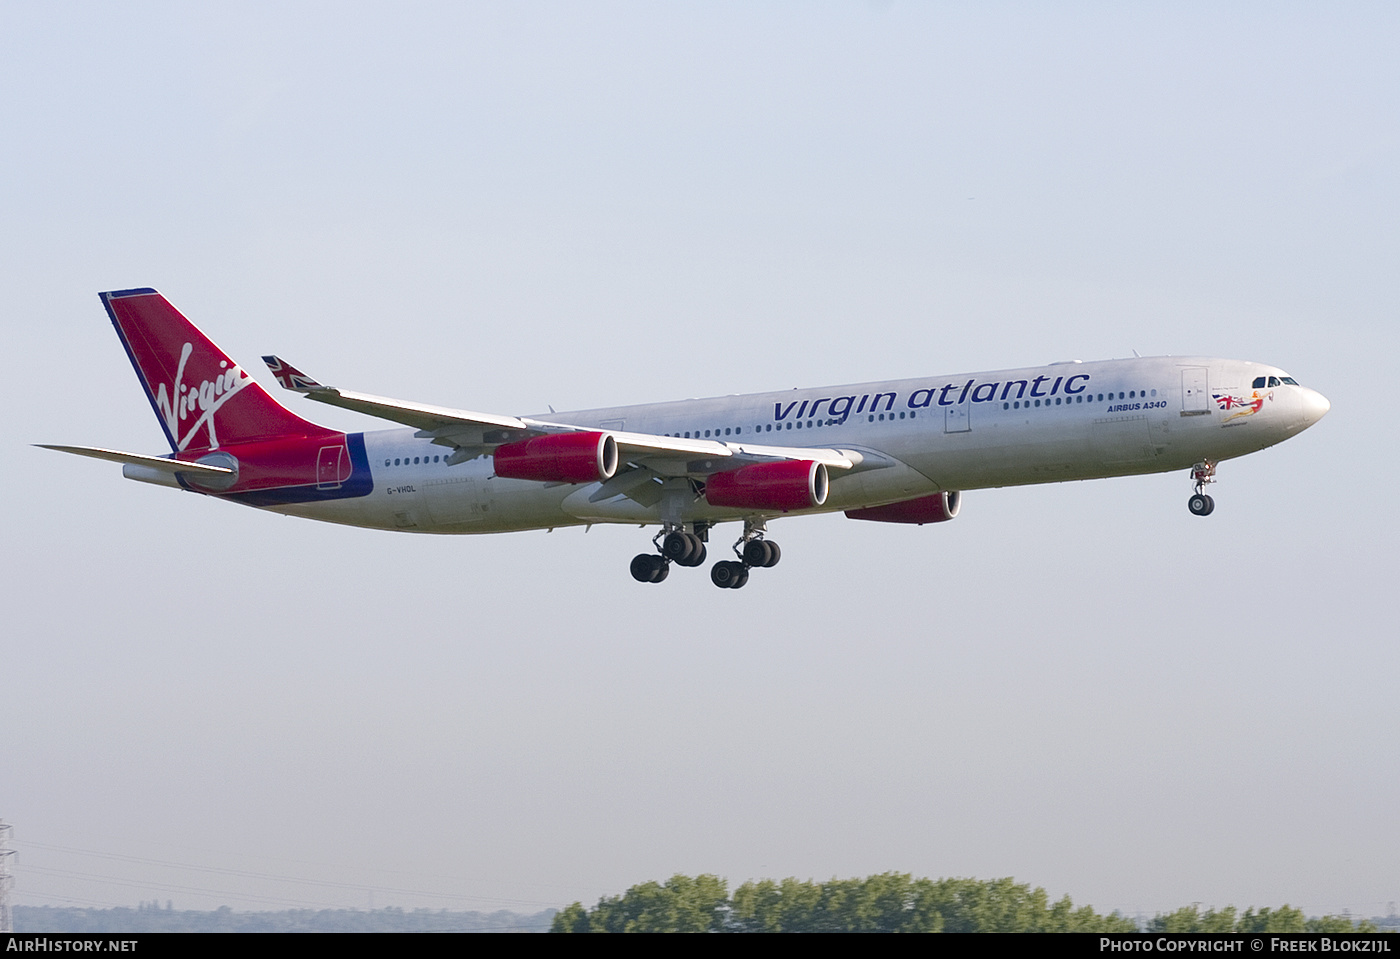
[(698, 559), (678, 546), (774, 554), (757, 553), (1203, 473), (727, 574), (650, 568)]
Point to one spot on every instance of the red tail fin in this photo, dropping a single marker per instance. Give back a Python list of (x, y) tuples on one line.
[(202, 398)]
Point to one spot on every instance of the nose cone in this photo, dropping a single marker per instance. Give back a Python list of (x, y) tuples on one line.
[(1314, 407)]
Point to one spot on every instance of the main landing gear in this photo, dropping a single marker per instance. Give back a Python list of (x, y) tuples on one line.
[(1201, 504), (673, 546), (753, 551), (688, 549)]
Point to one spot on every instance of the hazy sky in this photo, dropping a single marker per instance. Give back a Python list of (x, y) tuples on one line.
[(505, 206)]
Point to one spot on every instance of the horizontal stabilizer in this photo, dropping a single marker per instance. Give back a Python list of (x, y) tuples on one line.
[(165, 464)]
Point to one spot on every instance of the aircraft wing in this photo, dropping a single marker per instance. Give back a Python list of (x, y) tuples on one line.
[(422, 416), (471, 433)]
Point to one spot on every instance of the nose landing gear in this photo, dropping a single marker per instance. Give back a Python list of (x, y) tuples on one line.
[(1200, 503)]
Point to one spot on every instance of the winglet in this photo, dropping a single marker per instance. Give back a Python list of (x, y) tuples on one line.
[(289, 376)]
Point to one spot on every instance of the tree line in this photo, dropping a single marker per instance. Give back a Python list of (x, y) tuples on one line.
[(897, 902)]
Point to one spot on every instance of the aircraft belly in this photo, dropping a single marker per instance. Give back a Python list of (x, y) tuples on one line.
[(1121, 442), (1000, 453), (457, 497), (508, 504), (350, 512), (1024, 451), (463, 499)]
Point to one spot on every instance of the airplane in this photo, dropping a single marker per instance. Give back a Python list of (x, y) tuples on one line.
[(899, 451)]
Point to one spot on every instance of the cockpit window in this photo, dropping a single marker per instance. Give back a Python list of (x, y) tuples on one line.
[(1290, 381)]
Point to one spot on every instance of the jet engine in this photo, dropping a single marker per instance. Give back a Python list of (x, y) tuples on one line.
[(789, 485), (938, 508), (559, 458)]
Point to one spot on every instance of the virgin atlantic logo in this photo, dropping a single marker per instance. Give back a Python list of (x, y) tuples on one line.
[(181, 403)]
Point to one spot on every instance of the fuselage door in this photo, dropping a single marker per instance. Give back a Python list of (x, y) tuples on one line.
[(328, 466), (1195, 397), (956, 419)]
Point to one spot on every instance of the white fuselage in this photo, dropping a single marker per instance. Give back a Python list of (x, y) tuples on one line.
[(915, 437)]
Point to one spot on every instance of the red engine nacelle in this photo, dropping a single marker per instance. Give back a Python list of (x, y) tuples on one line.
[(938, 508), (559, 458), (789, 485)]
